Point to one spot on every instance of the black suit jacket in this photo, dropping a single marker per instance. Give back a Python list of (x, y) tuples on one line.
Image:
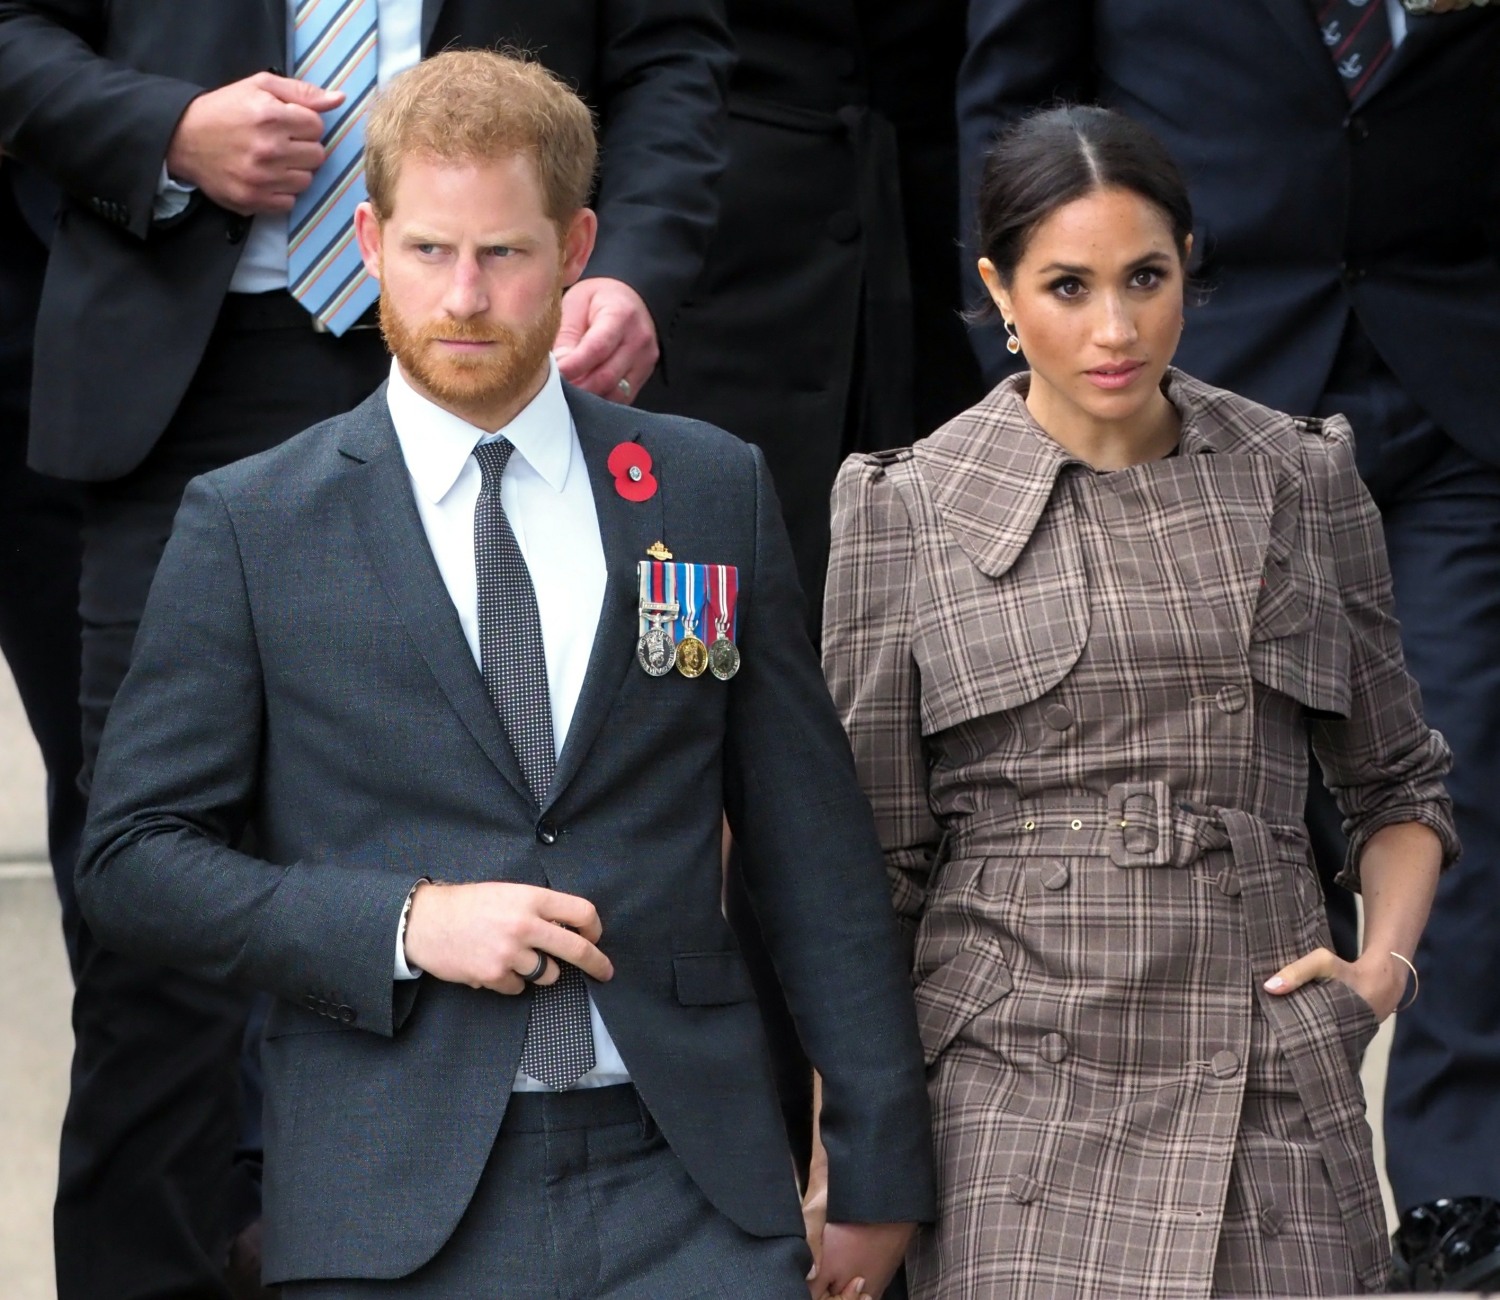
[(301, 669), (826, 319), (91, 91), (1307, 208)]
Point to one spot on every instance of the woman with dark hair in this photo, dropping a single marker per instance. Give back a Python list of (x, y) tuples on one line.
[(1079, 637)]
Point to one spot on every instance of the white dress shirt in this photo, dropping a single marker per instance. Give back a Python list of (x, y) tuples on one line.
[(262, 264), (550, 507)]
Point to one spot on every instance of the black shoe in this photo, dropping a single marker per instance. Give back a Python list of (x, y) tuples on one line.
[(1448, 1245)]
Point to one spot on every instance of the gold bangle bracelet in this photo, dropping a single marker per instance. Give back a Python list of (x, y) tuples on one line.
[(1416, 981)]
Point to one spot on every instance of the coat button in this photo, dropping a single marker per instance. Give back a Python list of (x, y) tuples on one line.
[(1054, 1049), (546, 831), (844, 226), (1229, 883), (1225, 1065), (1272, 1219), (347, 1015), (1055, 875), (1359, 128), (1023, 1189), (1058, 716), (1231, 698)]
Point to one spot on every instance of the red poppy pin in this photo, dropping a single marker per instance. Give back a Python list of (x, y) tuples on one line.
[(630, 463)]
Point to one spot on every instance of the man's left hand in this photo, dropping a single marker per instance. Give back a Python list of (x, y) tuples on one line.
[(607, 336), (858, 1260)]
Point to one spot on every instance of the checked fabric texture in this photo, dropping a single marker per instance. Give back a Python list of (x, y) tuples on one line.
[(334, 46), (559, 1034), (1358, 36)]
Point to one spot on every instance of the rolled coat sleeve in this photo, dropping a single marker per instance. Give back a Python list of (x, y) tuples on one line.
[(1383, 764), (868, 662)]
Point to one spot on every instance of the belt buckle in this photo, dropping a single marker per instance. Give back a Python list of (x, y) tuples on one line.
[(1140, 824)]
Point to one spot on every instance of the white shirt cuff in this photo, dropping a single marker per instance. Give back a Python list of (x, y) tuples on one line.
[(171, 197), (405, 971)]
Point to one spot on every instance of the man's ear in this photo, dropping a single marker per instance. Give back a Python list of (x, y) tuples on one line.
[(367, 233), (578, 240)]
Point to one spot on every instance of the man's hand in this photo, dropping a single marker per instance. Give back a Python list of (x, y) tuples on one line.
[(488, 935), (606, 335), (252, 146), (859, 1260), (1377, 977)]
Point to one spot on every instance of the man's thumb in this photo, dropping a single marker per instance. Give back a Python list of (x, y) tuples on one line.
[(303, 93)]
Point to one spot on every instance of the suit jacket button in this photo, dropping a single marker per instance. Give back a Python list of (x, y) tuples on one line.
[(235, 230), (346, 1014), (1054, 1049), (546, 832), (1023, 1189), (1225, 1065)]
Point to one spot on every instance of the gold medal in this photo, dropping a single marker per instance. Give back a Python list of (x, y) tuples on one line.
[(692, 656)]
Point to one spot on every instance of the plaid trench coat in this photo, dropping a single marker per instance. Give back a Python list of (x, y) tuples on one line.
[(1080, 705)]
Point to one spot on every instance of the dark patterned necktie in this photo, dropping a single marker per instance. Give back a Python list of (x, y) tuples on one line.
[(559, 1033), (1358, 36)]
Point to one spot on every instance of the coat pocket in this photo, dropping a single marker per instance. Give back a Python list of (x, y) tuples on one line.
[(711, 979), (973, 979)]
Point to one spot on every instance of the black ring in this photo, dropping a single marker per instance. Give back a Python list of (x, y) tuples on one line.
[(531, 977)]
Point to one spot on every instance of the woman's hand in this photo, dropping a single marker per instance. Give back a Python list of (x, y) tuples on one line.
[(1378, 977)]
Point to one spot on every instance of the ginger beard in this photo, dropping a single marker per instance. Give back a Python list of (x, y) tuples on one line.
[(479, 381)]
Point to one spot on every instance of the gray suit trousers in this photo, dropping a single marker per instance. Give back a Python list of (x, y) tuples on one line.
[(582, 1199)]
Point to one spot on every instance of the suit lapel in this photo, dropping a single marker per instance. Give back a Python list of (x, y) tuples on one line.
[(379, 493), (1297, 20), (626, 529)]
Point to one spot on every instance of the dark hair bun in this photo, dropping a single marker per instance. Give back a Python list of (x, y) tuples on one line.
[(1057, 155)]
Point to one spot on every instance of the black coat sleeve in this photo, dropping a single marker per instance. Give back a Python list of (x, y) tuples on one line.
[(664, 75), (97, 128)]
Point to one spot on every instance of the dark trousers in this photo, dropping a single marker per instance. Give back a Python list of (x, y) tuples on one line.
[(39, 521), (149, 1191), (1441, 508), (582, 1199)]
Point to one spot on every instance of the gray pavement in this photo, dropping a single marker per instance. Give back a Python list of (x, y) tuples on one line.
[(35, 1039)]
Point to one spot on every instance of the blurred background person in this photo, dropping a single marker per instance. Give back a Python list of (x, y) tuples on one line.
[(39, 519), (827, 318), (1344, 160), (204, 301)]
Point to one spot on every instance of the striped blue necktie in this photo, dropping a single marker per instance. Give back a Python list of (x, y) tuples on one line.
[(333, 46)]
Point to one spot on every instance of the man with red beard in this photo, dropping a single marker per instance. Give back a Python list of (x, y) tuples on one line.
[(426, 650)]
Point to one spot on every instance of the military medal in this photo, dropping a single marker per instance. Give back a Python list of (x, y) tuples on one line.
[(692, 654), (656, 651), (723, 591)]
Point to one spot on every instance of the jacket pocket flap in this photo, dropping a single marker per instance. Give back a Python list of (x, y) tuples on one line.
[(957, 991), (711, 979)]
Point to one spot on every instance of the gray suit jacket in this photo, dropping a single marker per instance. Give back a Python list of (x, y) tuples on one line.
[(301, 679)]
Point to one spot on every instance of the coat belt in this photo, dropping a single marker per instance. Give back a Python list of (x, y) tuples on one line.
[(1137, 824)]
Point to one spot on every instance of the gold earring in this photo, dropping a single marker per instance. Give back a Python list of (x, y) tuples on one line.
[(1013, 343)]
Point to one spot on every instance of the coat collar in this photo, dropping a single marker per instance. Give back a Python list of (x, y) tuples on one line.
[(379, 491), (992, 470)]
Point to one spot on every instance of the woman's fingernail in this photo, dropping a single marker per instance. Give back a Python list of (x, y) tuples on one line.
[(1275, 983)]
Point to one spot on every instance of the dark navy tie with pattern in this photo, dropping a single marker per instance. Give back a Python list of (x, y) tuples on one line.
[(559, 1033), (1358, 36)]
